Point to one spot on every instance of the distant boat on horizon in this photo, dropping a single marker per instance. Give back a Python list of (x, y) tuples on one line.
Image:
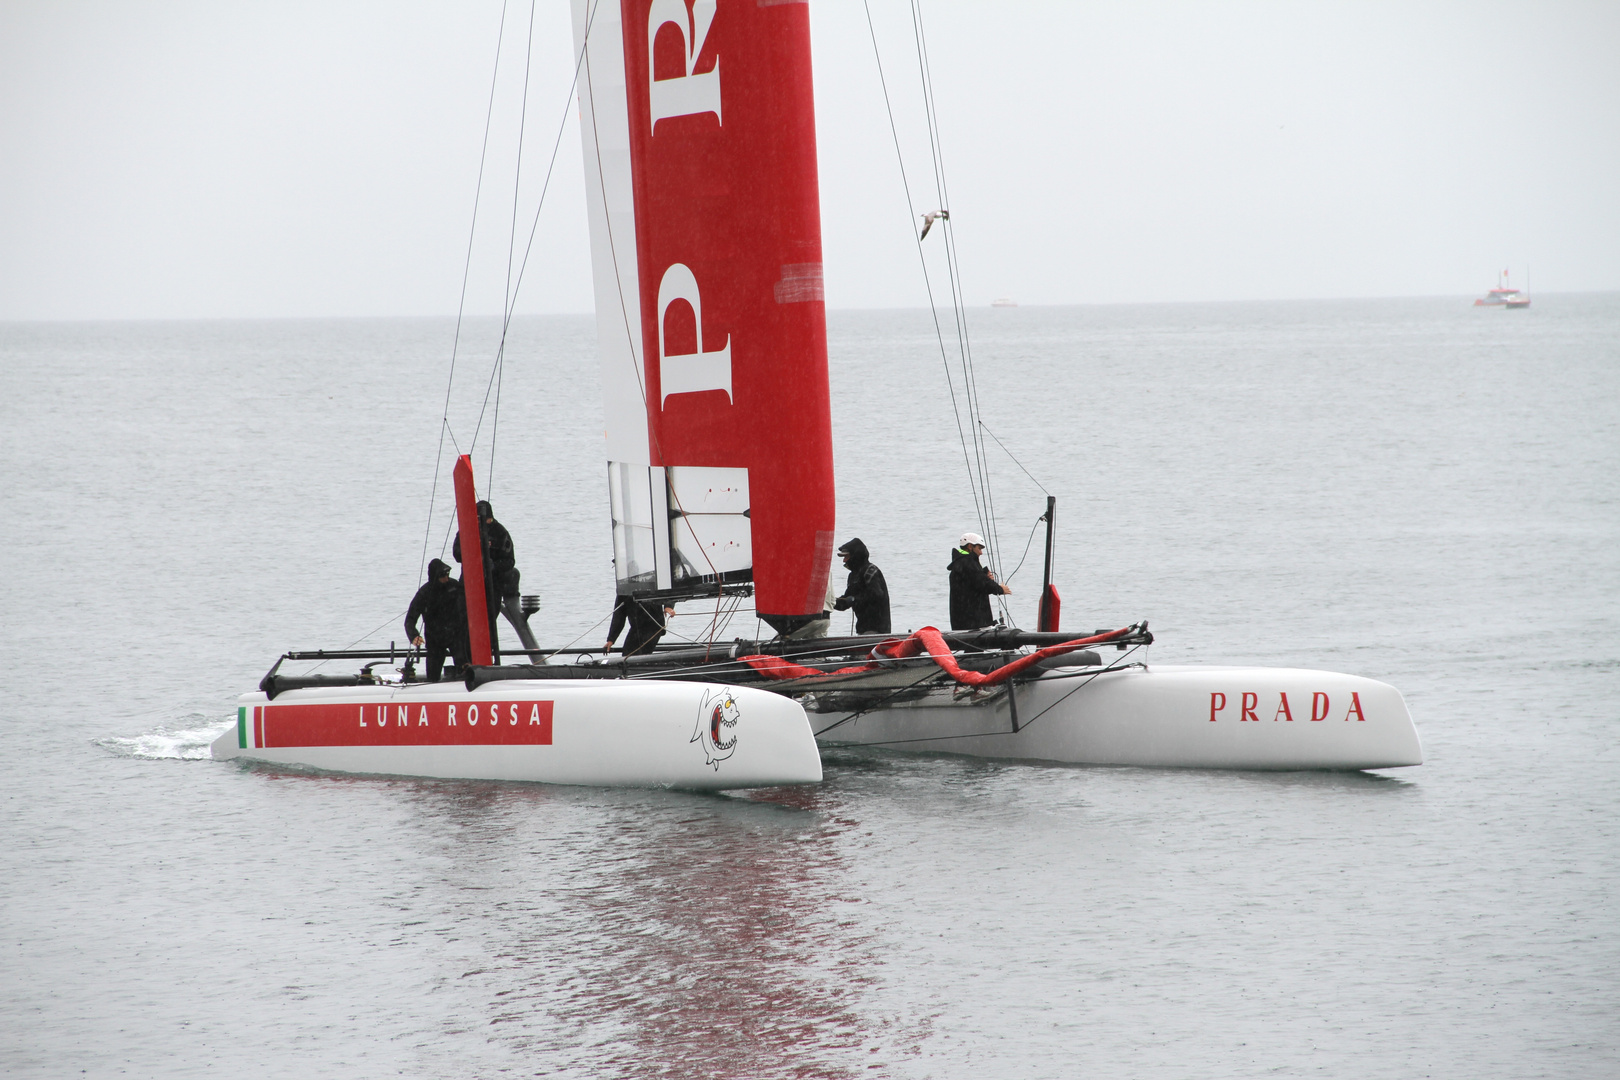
[(1004, 301), (1504, 295)]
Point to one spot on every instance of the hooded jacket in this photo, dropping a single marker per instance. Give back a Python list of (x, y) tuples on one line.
[(500, 558), (866, 591), (971, 590), (440, 605)]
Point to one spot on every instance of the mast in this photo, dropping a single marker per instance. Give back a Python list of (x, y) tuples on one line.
[(700, 160), (1046, 619)]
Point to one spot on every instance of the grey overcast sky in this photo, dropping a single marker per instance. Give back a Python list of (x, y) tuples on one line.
[(169, 159)]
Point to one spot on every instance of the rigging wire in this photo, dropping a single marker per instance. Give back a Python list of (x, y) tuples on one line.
[(721, 616), (976, 459), (1037, 483), (511, 244), (499, 366), (461, 307), (1086, 677), (928, 285), (954, 271), (1015, 460), (580, 637), (1087, 680), (933, 674), (362, 637), (674, 635)]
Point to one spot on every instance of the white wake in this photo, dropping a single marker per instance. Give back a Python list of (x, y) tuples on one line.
[(186, 741)]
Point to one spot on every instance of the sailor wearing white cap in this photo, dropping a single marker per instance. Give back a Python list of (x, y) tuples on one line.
[(972, 585)]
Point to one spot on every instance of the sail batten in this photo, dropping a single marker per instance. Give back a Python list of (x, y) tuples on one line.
[(706, 244)]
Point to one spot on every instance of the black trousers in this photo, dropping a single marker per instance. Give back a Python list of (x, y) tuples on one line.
[(436, 650)]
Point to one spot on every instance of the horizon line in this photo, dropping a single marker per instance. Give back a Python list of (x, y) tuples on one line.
[(8, 320)]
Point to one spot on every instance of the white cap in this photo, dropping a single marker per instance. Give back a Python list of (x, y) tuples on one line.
[(971, 538)]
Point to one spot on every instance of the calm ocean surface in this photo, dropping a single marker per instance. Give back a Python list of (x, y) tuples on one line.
[(1412, 490)]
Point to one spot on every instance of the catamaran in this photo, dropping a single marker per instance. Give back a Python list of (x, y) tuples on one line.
[(701, 187)]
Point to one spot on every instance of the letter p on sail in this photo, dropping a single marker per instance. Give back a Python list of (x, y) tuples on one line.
[(688, 373)]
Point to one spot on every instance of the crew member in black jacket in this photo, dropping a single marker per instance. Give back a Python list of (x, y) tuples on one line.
[(646, 626), (442, 607), (501, 577), (866, 591), (972, 585)]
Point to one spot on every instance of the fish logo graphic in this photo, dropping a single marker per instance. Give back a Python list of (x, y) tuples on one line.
[(717, 726)]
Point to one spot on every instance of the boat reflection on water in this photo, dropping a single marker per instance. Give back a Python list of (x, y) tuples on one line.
[(610, 929)]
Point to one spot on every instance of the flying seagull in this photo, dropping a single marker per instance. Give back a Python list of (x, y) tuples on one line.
[(928, 220)]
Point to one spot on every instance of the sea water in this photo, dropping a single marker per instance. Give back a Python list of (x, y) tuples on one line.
[(1412, 490)]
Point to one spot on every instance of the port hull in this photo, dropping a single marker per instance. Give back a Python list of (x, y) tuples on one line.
[(697, 736)]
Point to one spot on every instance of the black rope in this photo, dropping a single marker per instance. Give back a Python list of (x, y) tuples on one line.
[(1027, 544)]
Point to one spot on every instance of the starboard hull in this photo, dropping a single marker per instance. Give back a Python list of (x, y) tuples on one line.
[(1166, 717), (617, 733)]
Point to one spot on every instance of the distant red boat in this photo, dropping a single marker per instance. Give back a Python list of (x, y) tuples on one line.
[(1504, 295)]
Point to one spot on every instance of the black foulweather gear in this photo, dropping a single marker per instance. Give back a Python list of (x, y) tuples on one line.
[(501, 579), (500, 559), (646, 619), (866, 591), (442, 607), (971, 590)]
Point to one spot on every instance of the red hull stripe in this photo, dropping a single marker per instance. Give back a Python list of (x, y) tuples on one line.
[(432, 723)]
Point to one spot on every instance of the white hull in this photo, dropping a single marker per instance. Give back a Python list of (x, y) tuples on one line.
[(606, 733), (1176, 717)]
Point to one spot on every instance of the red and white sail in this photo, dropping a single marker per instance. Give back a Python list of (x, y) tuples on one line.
[(700, 165)]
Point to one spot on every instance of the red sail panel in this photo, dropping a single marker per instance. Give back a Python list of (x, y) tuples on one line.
[(732, 325), (472, 562)]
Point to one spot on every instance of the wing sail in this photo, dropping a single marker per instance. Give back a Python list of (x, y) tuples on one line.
[(700, 159)]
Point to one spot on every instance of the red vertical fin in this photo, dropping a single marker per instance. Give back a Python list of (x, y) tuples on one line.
[(1051, 606), (472, 561)]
